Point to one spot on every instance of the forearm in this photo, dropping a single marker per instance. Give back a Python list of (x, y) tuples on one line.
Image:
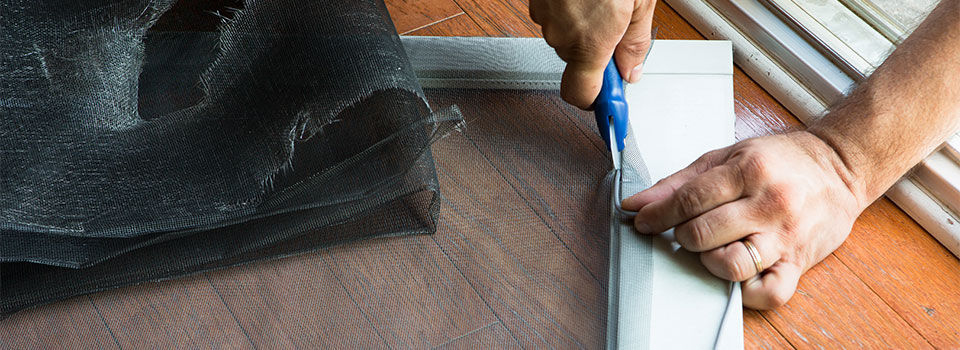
[(907, 107)]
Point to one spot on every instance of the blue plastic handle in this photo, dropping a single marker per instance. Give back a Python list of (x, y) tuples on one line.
[(611, 106)]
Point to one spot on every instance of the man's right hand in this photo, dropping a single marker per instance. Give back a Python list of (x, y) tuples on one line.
[(586, 33)]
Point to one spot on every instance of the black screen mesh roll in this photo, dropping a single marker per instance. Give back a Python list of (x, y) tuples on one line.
[(129, 155)]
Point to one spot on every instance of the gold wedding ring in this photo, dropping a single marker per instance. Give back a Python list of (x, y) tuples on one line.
[(755, 255)]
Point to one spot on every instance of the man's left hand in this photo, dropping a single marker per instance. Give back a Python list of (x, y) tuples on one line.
[(789, 195)]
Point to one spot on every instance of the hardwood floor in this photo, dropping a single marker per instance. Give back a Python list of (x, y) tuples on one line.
[(478, 284)]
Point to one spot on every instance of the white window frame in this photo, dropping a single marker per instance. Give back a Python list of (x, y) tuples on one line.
[(808, 78), (886, 26)]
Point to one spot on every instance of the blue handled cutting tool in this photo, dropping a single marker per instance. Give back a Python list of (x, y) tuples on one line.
[(611, 112), (610, 107), (612, 115)]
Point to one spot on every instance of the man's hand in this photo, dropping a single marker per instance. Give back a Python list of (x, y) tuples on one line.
[(585, 33), (789, 195)]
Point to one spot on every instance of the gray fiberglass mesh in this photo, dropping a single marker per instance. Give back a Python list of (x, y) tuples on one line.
[(129, 155)]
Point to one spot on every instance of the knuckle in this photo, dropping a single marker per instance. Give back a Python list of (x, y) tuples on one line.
[(688, 201), (708, 160), (581, 49), (788, 234), (554, 39), (712, 155), (734, 269), (622, 9), (755, 164), (706, 157), (635, 48), (695, 235), (751, 143), (783, 198)]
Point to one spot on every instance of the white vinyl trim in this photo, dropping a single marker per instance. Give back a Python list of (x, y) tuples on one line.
[(928, 212), (939, 174), (774, 37), (839, 32), (883, 24)]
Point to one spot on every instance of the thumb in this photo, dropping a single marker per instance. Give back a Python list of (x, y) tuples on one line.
[(633, 48), (582, 80)]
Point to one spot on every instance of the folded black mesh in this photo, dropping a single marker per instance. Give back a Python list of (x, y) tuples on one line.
[(129, 155)]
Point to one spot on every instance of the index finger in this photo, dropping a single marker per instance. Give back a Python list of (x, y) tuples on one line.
[(713, 188), (664, 188)]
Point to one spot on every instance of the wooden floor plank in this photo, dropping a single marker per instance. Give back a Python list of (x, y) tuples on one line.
[(758, 113), (461, 25), (508, 18), (295, 302), (529, 279), (492, 336), (181, 313), (404, 292), (759, 334), (412, 293), (910, 270), (833, 308), (410, 15), (63, 325)]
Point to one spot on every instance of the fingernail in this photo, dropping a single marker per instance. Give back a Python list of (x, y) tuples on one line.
[(635, 73)]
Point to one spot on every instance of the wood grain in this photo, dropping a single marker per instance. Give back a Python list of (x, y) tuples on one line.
[(410, 291), (832, 306), (63, 325), (295, 302), (492, 336), (908, 269), (410, 15), (462, 25), (759, 334), (498, 231), (187, 313), (510, 18)]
